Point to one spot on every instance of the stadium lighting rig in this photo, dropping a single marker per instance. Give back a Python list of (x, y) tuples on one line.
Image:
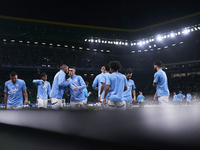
[(148, 40)]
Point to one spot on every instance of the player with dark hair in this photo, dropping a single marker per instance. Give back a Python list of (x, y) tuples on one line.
[(14, 90), (116, 84), (96, 83), (160, 82), (76, 86), (43, 91), (127, 95), (103, 87), (58, 87)]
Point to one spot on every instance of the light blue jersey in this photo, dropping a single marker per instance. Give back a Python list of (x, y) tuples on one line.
[(180, 97), (77, 81), (189, 97), (58, 85), (97, 83), (15, 92), (117, 82), (103, 80), (127, 95), (175, 98), (85, 91), (43, 90), (140, 98), (160, 78)]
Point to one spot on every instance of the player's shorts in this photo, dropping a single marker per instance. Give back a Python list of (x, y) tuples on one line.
[(113, 105), (14, 107), (163, 101), (104, 106), (42, 102), (83, 105), (129, 105), (56, 103)]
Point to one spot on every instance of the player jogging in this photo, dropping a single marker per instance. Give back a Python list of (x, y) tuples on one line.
[(160, 82), (96, 83), (116, 84), (103, 87), (127, 95), (76, 86), (58, 86), (43, 91), (14, 90)]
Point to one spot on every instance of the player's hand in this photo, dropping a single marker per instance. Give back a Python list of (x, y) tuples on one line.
[(25, 102), (154, 98), (67, 80), (76, 89), (90, 92), (134, 100)]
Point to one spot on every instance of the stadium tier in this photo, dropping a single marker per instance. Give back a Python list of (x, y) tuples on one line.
[(33, 46)]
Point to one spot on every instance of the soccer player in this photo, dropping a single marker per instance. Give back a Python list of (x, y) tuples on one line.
[(58, 87), (14, 90), (175, 98), (180, 98), (188, 98), (103, 87), (160, 82), (127, 95), (140, 99), (43, 91), (85, 91), (96, 83), (77, 85), (116, 84)]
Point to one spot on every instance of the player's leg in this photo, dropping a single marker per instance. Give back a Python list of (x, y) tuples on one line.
[(83, 105), (111, 105), (14, 107), (104, 106), (121, 105), (74, 105), (163, 101), (40, 103), (56, 103), (129, 105), (45, 101)]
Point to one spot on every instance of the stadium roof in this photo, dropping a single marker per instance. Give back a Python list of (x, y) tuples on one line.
[(112, 14)]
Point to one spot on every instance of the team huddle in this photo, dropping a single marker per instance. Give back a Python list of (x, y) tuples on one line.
[(115, 90)]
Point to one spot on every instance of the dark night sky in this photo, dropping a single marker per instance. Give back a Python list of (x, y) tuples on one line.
[(128, 14)]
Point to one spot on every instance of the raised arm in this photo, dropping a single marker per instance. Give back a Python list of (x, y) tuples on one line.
[(62, 81), (37, 81)]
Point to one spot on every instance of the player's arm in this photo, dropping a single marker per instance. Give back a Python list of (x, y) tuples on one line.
[(95, 84), (85, 91), (82, 84), (106, 91), (102, 87), (26, 97), (62, 81), (154, 84), (36, 82), (126, 84), (134, 95), (49, 90), (155, 95), (5, 99)]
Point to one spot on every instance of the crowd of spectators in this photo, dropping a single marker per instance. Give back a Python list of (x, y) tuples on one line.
[(35, 55)]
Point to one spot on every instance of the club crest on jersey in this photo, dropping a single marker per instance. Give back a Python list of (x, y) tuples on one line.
[(17, 84), (75, 80)]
